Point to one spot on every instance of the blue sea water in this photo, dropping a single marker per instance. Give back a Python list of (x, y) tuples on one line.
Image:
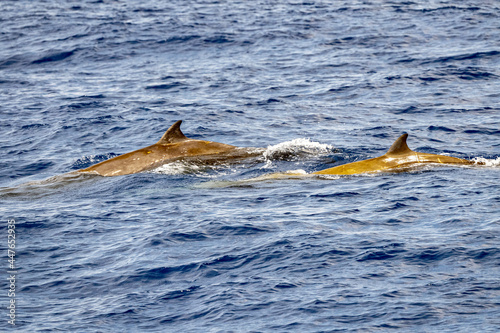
[(195, 248)]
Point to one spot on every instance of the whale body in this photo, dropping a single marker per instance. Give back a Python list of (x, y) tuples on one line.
[(172, 146), (399, 157)]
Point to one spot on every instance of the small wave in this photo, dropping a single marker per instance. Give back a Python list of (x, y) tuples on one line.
[(465, 56), (487, 162), (180, 39), (440, 128), (336, 195), (34, 126), (54, 57), (179, 293), (165, 86), (218, 39), (295, 149)]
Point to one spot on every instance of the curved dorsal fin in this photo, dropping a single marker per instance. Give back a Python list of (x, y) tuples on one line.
[(173, 134), (399, 146)]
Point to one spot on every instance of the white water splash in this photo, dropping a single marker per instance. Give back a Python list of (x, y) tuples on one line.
[(294, 149), (174, 168), (198, 169), (487, 162), (182, 167)]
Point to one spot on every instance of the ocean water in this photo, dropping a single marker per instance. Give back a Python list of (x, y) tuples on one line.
[(198, 248)]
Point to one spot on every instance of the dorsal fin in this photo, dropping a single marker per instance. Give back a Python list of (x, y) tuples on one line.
[(173, 134), (399, 146)]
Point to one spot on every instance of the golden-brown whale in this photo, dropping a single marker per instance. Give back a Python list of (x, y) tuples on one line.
[(173, 145), (399, 157)]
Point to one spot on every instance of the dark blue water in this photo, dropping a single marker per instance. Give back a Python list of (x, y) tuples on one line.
[(194, 248)]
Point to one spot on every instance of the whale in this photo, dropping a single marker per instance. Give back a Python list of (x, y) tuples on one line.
[(172, 146), (399, 157)]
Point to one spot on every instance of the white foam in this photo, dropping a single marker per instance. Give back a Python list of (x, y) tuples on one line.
[(487, 162), (295, 149), (301, 145), (183, 167), (174, 168)]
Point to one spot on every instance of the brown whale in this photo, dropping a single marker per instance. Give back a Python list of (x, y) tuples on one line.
[(172, 146), (399, 157)]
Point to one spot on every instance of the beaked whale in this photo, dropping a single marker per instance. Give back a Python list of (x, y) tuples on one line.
[(173, 145), (398, 157)]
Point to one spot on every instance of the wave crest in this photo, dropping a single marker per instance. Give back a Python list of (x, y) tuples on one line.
[(295, 149)]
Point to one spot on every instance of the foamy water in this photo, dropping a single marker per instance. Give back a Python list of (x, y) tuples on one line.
[(295, 149), (487, 162)]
